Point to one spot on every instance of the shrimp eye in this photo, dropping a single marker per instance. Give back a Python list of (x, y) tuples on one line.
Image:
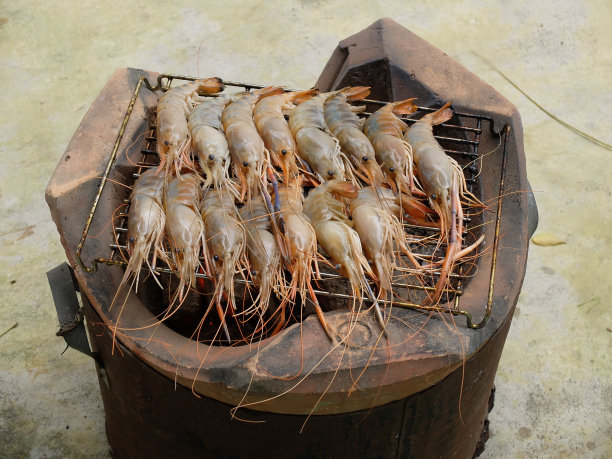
[(216, 257), (338, 266), (253, 272), (211, 157), (245, 163), (330, 173), (433, 196), (132, 239), (166, 143), (177, 250), (365, 159), (392, 169), (284, 152)]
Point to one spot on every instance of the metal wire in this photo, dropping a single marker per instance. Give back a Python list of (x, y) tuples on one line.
[(466, 149)]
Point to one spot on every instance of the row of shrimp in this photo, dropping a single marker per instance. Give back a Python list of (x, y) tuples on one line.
[(366, 179)]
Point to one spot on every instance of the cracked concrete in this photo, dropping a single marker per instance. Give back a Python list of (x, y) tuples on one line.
[(554, 388)]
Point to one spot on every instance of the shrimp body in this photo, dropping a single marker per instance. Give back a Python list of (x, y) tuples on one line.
[(315, 143), (334, 232), (444, 184), (342, 121), (184, 228), (263, 252), (374, 213), (438, 173), (146, 219), (385, 130), (301, 242), (274, 130), (172, 129), (209, 142), (225, 237), (245, 144)]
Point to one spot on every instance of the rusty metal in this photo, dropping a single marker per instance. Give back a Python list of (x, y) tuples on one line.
[(485, 319), (111, 160)]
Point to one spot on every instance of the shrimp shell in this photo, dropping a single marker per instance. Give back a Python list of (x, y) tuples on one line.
[(245, 145), (334, 232), (209, 142), (345, 125), (172, 129), (444, 184), (374, 213), (315, 143), (384, 129), (263, 252), (437, 171), (274, 130), (146, 219), (225, 237), (185, 229)]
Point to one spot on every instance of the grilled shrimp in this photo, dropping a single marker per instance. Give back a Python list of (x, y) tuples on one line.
[(172, 129), (444, 184), (146, 220), (274, 130), (245, 145), (209, 142), (300, 241), (225, 237), (374, 213), (342, 121), (337, 238), (263, 252), (384, 129), (185, 229), (315, 143)]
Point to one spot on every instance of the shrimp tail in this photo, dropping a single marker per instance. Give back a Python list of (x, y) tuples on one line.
[(404, 107), (269, 91), (303, 96), (441, 115), (346, 189), (416, 210), (355, 92), (211, 85)]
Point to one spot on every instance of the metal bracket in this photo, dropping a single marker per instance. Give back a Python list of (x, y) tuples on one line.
[(69, 311), (532, 212)]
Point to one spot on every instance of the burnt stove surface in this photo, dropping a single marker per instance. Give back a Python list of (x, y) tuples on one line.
[(411, 386)]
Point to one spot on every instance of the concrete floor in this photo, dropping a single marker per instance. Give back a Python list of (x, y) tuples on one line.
[(554, 391)]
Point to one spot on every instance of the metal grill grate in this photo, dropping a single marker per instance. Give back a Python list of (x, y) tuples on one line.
[(460, 138)]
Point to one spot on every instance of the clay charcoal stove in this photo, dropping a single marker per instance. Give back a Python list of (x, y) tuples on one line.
[(425, 394)]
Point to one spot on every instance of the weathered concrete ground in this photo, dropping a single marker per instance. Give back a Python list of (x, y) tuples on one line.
[(554, 396)]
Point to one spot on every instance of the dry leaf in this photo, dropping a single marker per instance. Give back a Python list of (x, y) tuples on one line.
[(546, 240)]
